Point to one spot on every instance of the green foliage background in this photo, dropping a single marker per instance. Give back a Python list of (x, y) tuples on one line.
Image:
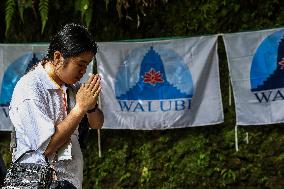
[(201, 157)]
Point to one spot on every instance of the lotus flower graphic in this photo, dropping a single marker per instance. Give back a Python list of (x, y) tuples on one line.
[(153, 77)]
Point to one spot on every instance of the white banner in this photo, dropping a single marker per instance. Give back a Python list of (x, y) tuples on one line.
[(160, 84), (256, 64), (15, 61)]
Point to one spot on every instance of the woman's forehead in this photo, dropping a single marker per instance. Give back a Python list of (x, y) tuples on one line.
[(85, 56)]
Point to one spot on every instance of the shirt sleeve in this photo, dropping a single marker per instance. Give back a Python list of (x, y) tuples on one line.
[(34, 127)]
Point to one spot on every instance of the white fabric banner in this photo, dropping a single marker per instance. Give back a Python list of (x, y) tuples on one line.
[(160, 84), (256, 65), (15, 61)]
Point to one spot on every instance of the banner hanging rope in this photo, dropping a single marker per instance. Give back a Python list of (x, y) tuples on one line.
[(236, 138), (230, 92), (99, 143)]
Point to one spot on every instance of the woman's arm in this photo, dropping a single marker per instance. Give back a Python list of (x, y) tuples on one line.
[(64, 130), (86, 98)]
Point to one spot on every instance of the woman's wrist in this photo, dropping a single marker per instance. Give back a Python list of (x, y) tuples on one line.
[(79, 111)]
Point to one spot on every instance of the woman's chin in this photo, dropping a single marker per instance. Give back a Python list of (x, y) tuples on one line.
[(71, 82), (77, 79)]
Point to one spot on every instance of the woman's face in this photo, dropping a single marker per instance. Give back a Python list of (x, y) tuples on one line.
[(73, 68)]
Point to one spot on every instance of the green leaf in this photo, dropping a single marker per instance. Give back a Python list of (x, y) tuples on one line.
[(9, 12), (86, 11), (43, 11), (107, 3), (84, 7), (88, 17), (21, 4)]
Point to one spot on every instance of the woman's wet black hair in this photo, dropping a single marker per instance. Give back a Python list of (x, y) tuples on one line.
[(71, 40)]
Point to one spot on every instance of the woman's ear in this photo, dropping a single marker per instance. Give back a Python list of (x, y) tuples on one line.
[(57, 58)]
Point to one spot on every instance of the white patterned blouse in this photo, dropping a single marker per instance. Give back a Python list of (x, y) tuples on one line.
[(36, 107)]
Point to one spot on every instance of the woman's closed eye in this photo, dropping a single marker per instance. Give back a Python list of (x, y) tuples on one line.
[(82, 65)]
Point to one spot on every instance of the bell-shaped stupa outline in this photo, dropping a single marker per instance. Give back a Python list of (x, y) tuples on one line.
[(156, 89), (13, 74), (276, 79)]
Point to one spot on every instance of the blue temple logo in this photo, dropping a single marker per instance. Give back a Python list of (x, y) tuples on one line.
[(268, 62), (267, 69), (14, 72), (152, 79)]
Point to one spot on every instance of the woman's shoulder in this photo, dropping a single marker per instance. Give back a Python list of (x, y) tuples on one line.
[(29, 86), (30, 81)]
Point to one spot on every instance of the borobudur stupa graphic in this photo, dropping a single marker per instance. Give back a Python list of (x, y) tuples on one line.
[(13, 74), (153, 83), (276, 79)]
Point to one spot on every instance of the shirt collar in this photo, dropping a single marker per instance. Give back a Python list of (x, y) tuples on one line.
[(46, 80)]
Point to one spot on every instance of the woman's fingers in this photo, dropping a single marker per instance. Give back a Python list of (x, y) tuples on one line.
[(96, 86), (87, 83), (93, 86), (98, 91)]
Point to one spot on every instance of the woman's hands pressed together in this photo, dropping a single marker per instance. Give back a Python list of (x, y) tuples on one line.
[(86, 99), (87, 95)]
